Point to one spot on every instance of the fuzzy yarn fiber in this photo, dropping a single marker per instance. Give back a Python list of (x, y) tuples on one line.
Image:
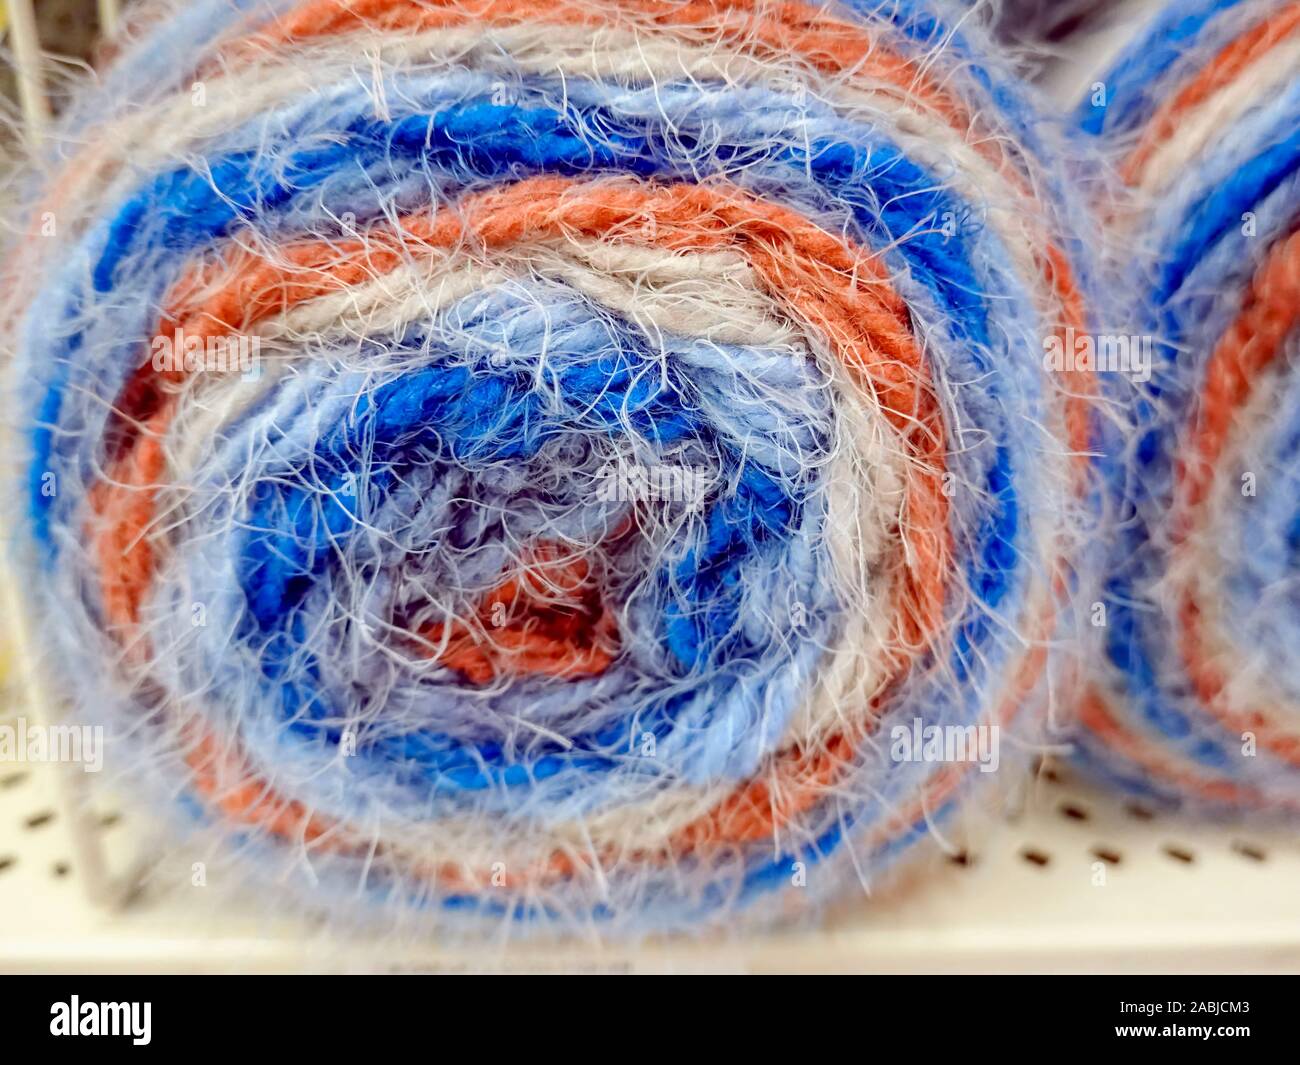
[(1201, 695), (649, 413)]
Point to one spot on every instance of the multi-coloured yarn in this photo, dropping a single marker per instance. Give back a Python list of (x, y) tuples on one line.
[(1200, 696), (649, 413)]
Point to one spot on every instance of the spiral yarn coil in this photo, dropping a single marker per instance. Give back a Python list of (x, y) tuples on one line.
[(1199, 701), (517, 462)]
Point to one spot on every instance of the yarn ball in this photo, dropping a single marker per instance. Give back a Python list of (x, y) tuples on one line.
[(1200, 696), (538, 464)]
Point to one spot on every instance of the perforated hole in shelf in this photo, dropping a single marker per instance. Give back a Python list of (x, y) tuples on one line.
[(32, 835)]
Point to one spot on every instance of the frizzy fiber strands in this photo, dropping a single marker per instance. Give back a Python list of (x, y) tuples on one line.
[(1200, 696), (537, 464)]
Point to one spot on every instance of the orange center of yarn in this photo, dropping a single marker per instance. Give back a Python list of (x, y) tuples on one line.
[(547, 619)]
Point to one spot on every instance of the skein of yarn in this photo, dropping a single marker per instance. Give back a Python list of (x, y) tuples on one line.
[(542, 464), (1200, 697)]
